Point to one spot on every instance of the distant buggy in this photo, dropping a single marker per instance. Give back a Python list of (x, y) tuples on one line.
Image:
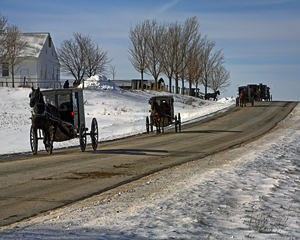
[(162, 114)]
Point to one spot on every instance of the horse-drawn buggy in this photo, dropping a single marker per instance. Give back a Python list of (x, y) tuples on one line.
[(58, 115), (264, 93), (162, 114), (252, 93), (245, 95)]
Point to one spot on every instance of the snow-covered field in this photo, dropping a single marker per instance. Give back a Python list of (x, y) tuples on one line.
[(255, 195), (119, 113)]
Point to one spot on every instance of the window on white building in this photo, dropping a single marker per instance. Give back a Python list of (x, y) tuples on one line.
[(45, 71), (5, 70)]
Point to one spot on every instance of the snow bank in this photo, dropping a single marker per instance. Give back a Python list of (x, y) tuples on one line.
[(119, 113), (98, 82)]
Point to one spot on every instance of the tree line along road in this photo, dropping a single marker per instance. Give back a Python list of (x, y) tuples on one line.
[(32, 184)]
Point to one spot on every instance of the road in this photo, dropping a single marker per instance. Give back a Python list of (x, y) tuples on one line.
[(32, 184)]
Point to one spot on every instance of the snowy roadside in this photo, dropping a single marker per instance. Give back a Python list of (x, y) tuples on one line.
[(119, 114), (256, 194)]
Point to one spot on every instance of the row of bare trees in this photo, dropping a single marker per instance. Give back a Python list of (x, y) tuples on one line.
[(178, 51), (80, 57), (12, 46)]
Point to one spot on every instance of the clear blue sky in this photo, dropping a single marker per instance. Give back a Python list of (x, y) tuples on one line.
[(260, 38)]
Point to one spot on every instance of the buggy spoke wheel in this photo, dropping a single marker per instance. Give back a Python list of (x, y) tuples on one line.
[(82, 137), (94, 134), (147, 124), (33, 140)]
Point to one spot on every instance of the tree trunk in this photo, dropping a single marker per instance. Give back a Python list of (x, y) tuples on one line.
[(176, 84), (142, 80), (13, 75)]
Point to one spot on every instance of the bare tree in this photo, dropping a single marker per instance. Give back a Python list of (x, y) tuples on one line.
[(219, 78), (181, 40), (210, 61), (189, 46), (170, 54), (139, 37), (97, 60), (72, 56), (3, 27), (113, 72), (195, 65), (155, 47), (81, 57), (15, 45)]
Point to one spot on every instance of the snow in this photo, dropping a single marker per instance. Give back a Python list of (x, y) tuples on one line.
[(255, 194)]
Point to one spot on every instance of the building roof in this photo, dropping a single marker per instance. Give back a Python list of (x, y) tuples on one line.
[(35, 43)]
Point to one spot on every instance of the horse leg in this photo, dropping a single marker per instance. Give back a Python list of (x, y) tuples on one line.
[(53, 137), (156, 125), (45, 141), (162, 125)]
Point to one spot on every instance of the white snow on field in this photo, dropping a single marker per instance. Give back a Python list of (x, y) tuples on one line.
[(119, 113), (255, 195)]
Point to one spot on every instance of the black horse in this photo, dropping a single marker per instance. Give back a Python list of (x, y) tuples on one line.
[(43, 117), (160, 120), (212, 95)]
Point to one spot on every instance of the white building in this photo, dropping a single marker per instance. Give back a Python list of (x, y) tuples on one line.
[(40, 67)]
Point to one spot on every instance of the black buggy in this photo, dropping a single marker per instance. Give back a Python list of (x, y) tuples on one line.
[(253, 93), (71, 121), (162, 114), (245, 95)]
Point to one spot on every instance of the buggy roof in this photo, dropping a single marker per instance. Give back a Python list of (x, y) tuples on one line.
[(162, 97), (61, 91)]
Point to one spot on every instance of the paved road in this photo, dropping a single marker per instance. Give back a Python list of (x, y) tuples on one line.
[(33, 184)]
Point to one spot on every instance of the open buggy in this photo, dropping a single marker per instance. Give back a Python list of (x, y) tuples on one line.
[(162, 114), (58, 115)]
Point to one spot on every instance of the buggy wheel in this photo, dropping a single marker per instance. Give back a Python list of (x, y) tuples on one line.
[(147, 124), (82, 137), (94, 134), (179, 122), (176, 128), (33, 140)]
